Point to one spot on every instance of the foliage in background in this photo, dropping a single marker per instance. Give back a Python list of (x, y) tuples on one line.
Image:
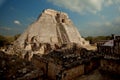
[(93, 40), (3, 41), (6, 40), (16, 36)]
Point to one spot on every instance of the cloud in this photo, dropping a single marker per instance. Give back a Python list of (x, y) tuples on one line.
[(17, 22), (79, 5), (116, 22), (5, 28), (104, 28), (94, 24), (117, 1), (108, 2), (31, 19), (119, 8), (108, 24), (2, 2), (84, 6)]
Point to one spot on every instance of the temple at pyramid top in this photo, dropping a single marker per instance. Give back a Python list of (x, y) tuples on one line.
[(53, 27)]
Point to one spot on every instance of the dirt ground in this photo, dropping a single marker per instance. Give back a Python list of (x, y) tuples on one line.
[(96, 75)]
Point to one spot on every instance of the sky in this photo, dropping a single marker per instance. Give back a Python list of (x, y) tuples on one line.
[(91, 17)]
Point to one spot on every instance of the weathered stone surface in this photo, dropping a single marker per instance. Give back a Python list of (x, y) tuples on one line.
[(50, 29), (14, 68)]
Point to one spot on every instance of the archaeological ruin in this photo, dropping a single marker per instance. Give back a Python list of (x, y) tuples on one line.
[(51, 48), (53, 28)]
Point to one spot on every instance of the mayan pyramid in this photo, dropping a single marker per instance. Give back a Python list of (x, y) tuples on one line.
[(53, 27)]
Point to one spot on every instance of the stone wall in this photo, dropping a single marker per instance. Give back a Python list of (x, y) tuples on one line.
[(40, 64), (91, 65), (53, 70), (52, 27), (73, 72), (110, 65)]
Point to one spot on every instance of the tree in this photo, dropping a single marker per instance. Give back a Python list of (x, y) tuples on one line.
[(16, 36), (90, 39), (3, 41), (93, 40)]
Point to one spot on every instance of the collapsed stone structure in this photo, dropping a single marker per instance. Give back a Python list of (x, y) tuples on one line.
[(66, 64), (67, 58), (111, 54), (51, 30)]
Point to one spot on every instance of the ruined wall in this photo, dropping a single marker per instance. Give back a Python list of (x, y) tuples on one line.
[(53, 70), (91, 65), (40, 64), (73, 72), (110, 65)]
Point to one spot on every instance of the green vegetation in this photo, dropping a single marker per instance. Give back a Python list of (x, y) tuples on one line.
[(3, 41), (6, 40), (16, 36), (96, 39)]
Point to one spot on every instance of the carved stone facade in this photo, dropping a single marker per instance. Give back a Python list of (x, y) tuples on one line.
[(53, 28)]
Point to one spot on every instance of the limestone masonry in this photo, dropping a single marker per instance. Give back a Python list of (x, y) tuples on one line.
[(51, 27), (52, 49)]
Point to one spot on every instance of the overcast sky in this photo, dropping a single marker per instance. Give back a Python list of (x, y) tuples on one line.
[(91, 17)]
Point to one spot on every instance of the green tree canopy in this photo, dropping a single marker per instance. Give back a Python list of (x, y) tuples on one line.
[(97, 38), (3, 41)]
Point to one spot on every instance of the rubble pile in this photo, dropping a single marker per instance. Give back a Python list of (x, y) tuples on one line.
[(52, 47), (14, 68), (71, 56)]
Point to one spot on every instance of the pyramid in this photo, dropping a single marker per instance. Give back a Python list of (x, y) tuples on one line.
[(52, 27)]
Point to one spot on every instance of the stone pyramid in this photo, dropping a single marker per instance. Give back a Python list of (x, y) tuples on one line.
[(52, 27)]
